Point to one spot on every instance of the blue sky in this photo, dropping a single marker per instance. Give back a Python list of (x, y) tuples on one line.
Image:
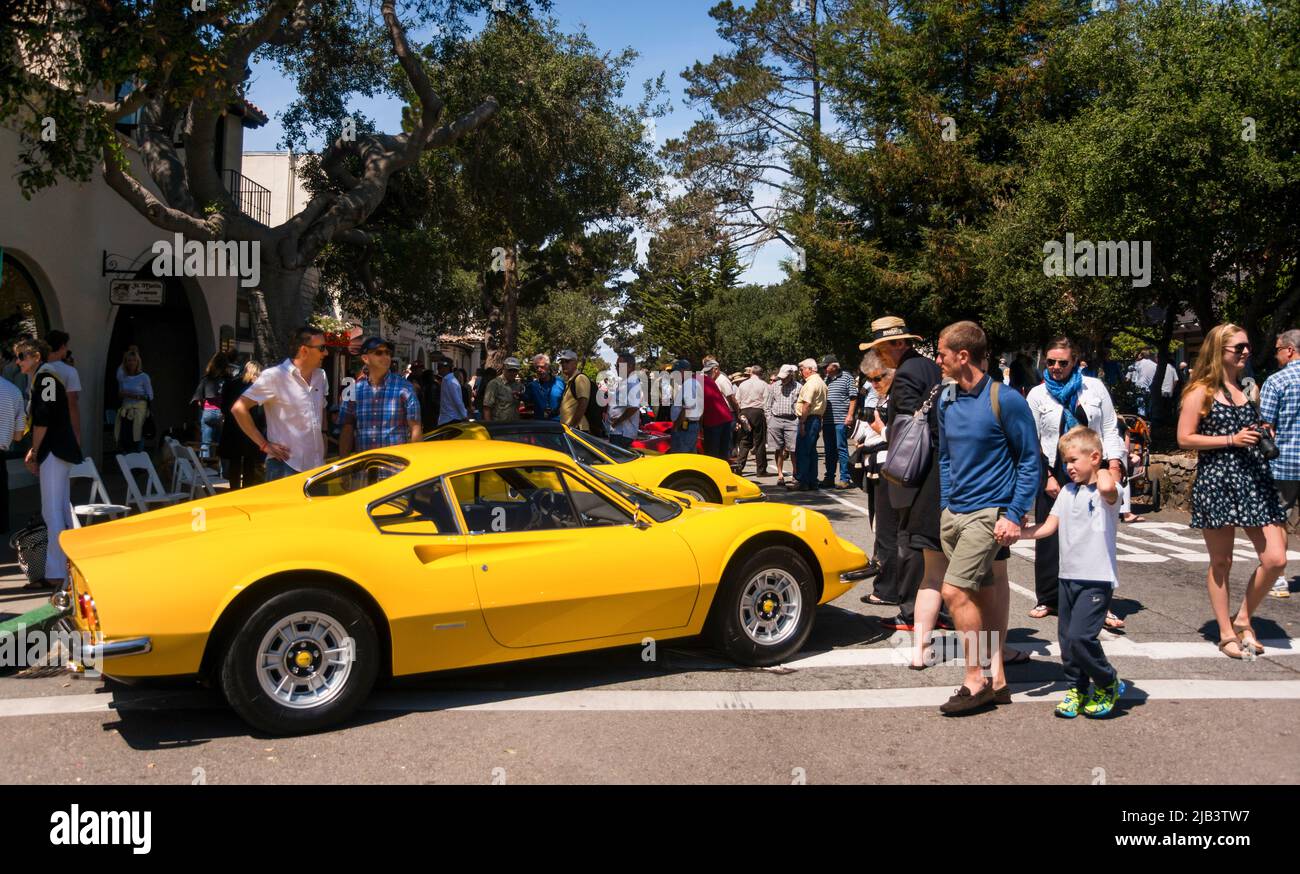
[(670, 35)]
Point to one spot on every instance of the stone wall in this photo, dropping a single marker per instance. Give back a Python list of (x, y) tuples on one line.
[(1177, 473)]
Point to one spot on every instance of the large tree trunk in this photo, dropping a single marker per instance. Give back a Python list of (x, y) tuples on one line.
[(283, 302), (501, 311)]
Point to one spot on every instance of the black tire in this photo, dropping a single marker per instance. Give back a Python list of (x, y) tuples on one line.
[(725, 629), (239, 664), (700, 485)]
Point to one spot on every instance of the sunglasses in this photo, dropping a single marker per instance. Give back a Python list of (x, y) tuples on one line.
[(1057, 362), (381, 351), (877, 378), (314, 345), (1240, 348)]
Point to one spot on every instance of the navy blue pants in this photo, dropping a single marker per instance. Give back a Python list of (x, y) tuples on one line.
[(805, 452), (1080, 618)]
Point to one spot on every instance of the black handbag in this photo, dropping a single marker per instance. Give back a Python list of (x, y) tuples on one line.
[(30, 543), (1267, 445), (911, 451)]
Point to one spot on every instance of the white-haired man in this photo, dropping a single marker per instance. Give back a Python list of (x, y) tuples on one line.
[(810, 408)]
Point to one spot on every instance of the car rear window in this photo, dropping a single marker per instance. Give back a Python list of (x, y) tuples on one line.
[(353, 476)]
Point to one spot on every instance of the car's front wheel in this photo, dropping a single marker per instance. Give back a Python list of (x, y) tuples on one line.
[(763, 612), (303, 660), (696, 487)]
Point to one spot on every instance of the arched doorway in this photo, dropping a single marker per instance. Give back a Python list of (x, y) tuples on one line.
[(22, 310), (168, 345)]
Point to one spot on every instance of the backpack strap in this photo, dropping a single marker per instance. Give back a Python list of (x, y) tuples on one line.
[(997, 404)]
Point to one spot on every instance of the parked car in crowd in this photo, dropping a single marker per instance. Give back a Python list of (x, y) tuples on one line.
[(434, 556)]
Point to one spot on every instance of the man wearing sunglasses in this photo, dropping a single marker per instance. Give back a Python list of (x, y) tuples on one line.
[(1279, 406), (292, 393), (383, 410)]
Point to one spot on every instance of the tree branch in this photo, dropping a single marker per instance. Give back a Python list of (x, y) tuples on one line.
[(430, 103), (153, 209)]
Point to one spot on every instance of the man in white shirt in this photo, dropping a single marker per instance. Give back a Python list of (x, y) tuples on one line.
[(292, 393), (688, 407), (625, 402), (1142, 374), (13, 422), (67, 374)]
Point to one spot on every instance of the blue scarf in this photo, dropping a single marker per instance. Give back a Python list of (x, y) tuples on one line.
[(1066, 394)]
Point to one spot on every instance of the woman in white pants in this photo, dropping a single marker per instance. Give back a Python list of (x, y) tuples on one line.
[(55, 450)]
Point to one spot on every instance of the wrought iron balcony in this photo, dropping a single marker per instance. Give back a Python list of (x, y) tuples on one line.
[(253, 199)]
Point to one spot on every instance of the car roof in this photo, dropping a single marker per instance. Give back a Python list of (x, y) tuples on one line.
[(445, 456), (526, 426)]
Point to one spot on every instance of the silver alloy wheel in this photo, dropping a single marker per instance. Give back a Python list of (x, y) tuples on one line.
[(770, 606), (696, 495), (305, 660)]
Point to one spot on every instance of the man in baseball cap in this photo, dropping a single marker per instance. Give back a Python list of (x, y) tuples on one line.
[(502, 396), (688, 407), (384, 408)]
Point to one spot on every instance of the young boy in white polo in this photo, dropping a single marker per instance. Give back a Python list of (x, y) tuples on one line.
[(1086, 514)]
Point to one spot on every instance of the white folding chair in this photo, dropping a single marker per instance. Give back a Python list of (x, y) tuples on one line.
[(153, 494), (99, 507), (201, 476)]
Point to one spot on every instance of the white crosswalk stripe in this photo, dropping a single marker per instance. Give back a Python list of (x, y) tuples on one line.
[(1158, 542)]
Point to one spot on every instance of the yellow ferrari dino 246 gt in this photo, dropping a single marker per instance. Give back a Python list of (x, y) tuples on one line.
[(295, 596)]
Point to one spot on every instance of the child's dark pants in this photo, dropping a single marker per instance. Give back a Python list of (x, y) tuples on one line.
[(1081, 615)]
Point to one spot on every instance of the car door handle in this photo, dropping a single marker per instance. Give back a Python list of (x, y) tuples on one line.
[(431, 552)]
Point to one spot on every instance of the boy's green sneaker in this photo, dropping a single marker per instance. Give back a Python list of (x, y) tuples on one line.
[(1069, 708), (1103, 699)]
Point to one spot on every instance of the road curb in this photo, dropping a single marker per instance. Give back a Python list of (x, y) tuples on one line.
[(34, 620)]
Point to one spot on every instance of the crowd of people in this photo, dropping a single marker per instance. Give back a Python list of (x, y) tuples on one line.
[(942, 537), (994, 446)]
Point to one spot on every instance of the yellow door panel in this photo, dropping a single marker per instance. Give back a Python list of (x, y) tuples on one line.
[(547, 587)]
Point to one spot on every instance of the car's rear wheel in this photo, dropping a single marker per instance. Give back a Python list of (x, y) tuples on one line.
[(303, 660), (763, 612), (695, 487)]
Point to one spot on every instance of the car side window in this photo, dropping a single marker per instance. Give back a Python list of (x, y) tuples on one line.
[(420, 510), (512, 499), (584, 454), (594, 508)]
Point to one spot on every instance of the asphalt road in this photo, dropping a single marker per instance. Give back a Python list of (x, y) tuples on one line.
[(844, 711)]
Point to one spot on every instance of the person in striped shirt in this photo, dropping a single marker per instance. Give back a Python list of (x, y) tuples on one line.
[(840, 389)]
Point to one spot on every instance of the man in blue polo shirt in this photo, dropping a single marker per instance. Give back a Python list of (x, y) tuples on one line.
[(544, 393), (988, 476)]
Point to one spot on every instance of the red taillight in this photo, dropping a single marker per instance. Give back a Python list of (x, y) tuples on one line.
[(86, 607)]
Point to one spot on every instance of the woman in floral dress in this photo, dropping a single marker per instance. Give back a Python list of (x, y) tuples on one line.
[(1234, 488)]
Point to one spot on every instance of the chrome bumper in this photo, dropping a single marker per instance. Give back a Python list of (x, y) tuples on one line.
[(863, 573), (754, 500), (133, 646)]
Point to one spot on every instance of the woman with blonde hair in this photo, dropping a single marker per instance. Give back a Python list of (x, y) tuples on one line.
[(135, 391), (239, 454), (1234, 487)]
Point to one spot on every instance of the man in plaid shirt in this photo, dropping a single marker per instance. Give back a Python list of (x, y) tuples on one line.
[(1279, 405), (384, 409)]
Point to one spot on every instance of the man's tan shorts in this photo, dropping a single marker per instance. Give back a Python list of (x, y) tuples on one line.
[(969, 546)]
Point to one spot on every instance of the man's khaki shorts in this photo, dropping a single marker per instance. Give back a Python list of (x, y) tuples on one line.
[(969, 546)]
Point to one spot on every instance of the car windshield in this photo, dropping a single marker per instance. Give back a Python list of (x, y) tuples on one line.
[(614, 453), (656, 508), (344, 479)]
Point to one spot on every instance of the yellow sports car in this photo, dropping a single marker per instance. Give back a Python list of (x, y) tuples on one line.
[(699, 477), (296, 595)]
